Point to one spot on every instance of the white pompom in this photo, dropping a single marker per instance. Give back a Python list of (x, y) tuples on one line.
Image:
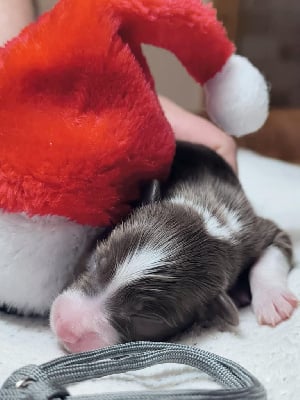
[(237, 98)]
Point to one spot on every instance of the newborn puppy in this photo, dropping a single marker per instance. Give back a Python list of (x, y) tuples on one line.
[(173, 261)]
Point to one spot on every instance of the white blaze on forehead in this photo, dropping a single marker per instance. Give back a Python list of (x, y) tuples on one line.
[(136, 265), (226, 229)]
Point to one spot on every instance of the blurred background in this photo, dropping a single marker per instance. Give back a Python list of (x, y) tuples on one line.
[(268, 33)]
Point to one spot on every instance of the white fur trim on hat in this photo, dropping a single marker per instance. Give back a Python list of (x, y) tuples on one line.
[(38, 258), (237, 97)]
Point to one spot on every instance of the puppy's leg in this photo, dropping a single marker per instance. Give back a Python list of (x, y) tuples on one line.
[(272, 301)]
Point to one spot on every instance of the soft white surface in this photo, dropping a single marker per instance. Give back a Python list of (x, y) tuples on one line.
[(272, 354), (237, 97)]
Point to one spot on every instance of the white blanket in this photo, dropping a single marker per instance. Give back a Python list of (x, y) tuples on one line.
[(271, 354)]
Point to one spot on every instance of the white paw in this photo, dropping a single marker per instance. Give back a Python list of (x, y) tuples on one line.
[(274, 305)]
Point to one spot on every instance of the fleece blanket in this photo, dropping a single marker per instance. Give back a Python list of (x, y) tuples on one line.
[(271, 354)]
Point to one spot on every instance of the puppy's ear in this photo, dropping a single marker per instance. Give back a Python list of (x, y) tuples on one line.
[(225, 309), (151, 192), (221, 312)]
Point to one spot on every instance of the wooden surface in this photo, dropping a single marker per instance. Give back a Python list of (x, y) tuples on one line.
[(279, 138), (269, 35), (228, 12)]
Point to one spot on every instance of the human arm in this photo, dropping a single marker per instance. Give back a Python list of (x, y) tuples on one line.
[(193, 128)]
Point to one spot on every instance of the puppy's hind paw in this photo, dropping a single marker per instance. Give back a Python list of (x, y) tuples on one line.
[(274, 305)]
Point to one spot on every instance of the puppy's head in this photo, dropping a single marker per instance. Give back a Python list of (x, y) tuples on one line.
[(151, 278)]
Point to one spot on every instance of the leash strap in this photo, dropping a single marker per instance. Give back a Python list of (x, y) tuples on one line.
[(48, 381)]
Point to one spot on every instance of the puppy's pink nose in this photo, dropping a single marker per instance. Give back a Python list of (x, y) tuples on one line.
[(89, 341), (65, 332), (79, 323)]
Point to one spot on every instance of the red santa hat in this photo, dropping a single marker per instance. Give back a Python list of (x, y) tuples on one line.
[(80, 123)]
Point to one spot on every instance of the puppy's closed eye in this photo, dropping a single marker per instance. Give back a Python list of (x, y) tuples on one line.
[(149, 327)]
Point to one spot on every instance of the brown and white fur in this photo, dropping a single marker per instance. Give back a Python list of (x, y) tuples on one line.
[(174, 260)]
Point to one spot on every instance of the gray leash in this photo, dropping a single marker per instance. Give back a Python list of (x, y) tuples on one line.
[(47, 381)]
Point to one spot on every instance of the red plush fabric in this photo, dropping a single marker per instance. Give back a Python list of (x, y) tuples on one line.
[(80, 124)]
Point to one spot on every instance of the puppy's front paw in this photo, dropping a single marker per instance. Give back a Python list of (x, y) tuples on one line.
[(274, 305)]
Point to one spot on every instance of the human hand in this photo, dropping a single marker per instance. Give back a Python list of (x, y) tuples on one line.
[(193, 128)]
